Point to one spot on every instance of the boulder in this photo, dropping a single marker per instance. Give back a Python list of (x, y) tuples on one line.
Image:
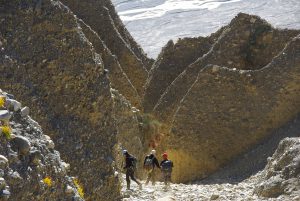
[(21, 145)]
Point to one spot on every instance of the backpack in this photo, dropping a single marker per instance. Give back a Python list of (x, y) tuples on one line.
[(148, 163), (133, 162), (167, 166)]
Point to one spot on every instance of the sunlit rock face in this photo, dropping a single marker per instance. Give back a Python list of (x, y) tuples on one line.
[(101, 17), (172, 61), (247, 43), (233, 96), (49, 64)]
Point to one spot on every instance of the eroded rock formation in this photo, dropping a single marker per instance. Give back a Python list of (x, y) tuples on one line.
[(207, 100), (172, 61), (49, 64), (101, 17), (247, 43), (239, 109), (208, 108)]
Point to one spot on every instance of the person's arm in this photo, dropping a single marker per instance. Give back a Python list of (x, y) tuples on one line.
[(126, 163), (156, 162)]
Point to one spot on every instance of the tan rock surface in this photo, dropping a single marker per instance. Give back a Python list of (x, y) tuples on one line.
[(247, 43), (225, 112), (173, 59)]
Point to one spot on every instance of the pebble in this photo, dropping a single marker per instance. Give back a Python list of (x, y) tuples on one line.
[(5, 115), (3, 162), (25, 111), (69, 190)]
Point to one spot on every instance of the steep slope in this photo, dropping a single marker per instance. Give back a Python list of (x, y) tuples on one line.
[(239, 110), (247, 43), (117, 76), (49, 64), (173, 59), (103, 21)]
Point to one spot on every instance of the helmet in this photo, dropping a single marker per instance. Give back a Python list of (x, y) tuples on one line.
[(125, 151), (165, 155), (153, 151)]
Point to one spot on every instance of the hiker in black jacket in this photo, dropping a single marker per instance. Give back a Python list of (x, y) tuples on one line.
[(166, 169), (130, 166), (149, 165)]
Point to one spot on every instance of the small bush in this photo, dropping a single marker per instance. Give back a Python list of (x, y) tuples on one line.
[(6, 131), (79, 187), (48, 181)]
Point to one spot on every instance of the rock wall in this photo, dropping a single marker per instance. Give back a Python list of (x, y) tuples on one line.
[(173, 59), (101, 17), (50, 65), (116, 74), (30, 167), (130, 134), (247, 43), (226, 112)]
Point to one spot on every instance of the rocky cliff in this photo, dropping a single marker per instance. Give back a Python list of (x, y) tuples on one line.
[(30, 167), (101, 17), (47, 61)]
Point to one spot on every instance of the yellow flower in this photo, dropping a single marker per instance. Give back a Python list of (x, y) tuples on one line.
[(79, 187), (47, 181), (6, 130), (2, 101)]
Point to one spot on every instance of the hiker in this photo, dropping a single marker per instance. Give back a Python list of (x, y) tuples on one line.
[(130, 166), (149, 165), (166, 169)]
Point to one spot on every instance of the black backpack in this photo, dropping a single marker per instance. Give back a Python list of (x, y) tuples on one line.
[(133, 162), (167, 166)]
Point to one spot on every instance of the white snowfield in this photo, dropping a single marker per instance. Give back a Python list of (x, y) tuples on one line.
[(153, 22)]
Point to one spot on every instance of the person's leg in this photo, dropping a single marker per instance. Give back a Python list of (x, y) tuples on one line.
[(127, 179), (153, 177), (165, 178), (133, 178), (168, 179), (148, 176)]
